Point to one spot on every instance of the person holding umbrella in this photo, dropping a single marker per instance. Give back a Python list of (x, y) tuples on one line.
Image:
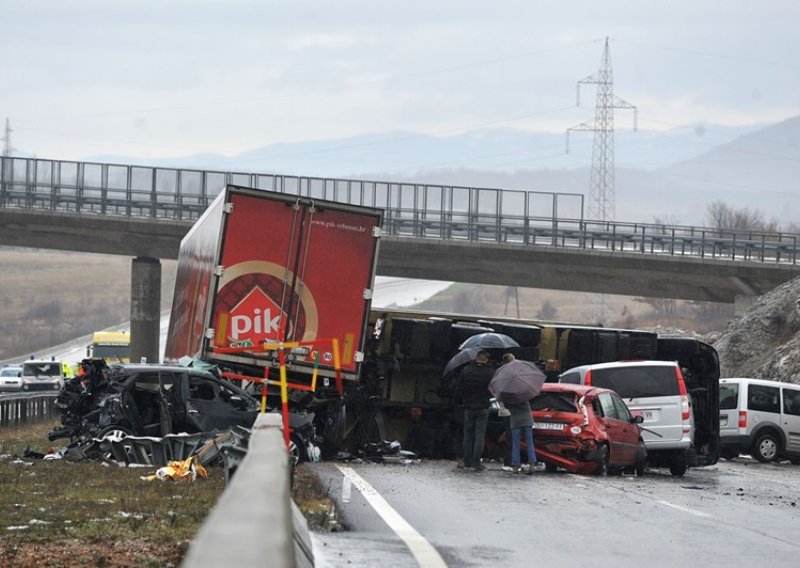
[(514, 384), (474, 389)]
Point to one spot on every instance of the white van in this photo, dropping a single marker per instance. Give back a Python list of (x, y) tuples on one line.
[(656, 390), (42, 375), (759, 417)]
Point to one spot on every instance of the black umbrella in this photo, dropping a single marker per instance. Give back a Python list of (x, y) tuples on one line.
[(516, 382), (460, 359), (489, 340)]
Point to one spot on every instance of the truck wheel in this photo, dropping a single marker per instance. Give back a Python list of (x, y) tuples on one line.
[(765, 449), (679, 463)]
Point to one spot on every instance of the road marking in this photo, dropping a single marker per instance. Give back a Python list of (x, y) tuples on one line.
[(423, 551), (686, 509)]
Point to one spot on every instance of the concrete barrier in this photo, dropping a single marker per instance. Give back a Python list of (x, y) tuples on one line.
[(255, 522)]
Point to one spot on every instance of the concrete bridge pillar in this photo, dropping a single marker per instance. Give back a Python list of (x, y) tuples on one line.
[(145, 309)]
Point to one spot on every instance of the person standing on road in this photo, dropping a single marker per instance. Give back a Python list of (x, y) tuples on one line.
[(474, 389), (521, 423)]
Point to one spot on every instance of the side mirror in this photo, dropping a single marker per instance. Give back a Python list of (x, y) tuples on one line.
[(636, 417)]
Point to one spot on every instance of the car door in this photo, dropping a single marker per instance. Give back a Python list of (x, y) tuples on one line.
[(213, 405), (628, 430), (617, 429), (791, 420)]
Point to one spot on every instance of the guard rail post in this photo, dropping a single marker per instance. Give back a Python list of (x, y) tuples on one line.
[(252, 523)]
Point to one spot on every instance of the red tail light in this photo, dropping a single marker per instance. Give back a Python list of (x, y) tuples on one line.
[(588, 378), (684, 395), (742, 419)]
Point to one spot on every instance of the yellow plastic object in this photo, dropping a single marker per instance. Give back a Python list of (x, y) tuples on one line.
[(189, 469)]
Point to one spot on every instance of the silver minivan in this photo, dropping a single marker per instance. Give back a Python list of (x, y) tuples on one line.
[(759, 417), (656, 390)]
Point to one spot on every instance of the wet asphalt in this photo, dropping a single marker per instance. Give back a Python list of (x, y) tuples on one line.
[(731, 514)]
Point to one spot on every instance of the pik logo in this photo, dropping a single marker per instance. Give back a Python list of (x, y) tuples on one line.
[(256, 318)]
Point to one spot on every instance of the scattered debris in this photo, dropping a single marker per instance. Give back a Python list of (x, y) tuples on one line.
[(188, 469)]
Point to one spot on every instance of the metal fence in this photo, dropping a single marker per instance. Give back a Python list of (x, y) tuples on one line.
[(20, 409), (410, 210)]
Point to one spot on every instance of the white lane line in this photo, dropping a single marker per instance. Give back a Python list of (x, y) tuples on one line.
[(423, 551), (686, 509)]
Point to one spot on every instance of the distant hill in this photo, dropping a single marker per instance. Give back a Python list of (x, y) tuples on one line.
[(669, 176)]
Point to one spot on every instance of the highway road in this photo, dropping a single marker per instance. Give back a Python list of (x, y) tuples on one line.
[(736, 513)]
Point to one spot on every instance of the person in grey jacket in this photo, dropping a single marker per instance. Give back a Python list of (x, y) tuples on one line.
[(521, 426)]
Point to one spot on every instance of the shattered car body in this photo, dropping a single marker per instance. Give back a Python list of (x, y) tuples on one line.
[(586, 430), (152, 400)]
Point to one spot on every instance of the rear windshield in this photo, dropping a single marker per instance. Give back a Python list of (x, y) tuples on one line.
[(638, 382), (728, 396), (42, 369), (555, 401)]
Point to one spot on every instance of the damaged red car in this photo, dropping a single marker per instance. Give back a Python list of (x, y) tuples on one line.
[(586, 429)]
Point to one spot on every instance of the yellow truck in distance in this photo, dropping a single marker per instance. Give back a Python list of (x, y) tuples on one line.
[(113, 346)]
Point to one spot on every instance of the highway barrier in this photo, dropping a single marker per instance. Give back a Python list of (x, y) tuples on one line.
[(255, 521), (19, 409)]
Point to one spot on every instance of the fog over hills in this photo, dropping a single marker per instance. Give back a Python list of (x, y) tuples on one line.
[(669, 176)]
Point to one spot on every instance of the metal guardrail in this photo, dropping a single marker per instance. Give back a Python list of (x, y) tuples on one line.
[(410, 210), (19, 409)]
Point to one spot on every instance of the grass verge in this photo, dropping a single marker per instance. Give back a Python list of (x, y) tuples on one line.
[(61, 513)]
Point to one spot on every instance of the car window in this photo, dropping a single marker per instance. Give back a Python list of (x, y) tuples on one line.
[(555, 401), (607, 405), (638, 381), (201, 388), (50, 369), (570, 378), (763, 398), (147, 382), (791, 401), (621, 408), (728, 396)]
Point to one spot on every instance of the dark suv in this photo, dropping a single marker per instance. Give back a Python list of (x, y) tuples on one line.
[(153, 400)]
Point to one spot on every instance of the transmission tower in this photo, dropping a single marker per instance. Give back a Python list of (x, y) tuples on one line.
[(7, 148), (601, 190)]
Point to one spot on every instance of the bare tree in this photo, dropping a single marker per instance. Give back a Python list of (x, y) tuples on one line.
[(720, 215)]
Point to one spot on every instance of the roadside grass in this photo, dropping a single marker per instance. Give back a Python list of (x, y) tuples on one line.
[(61, 513)]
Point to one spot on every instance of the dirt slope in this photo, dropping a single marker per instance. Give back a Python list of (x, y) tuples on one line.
[(765, 342)]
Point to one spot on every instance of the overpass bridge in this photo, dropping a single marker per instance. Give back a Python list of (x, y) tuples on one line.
[(438, 232)]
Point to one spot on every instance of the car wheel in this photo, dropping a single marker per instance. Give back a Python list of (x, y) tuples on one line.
[(679, 463), (641, 460), (766, 448), (297, 452), (602, 458), (116, 433)]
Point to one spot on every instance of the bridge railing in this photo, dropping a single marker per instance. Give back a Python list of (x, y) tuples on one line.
[(412, 210)]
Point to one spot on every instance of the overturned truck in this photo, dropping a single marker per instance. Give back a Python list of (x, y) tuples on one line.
[(261, 267), (412, 399)]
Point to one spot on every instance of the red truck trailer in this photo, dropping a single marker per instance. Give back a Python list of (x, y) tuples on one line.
[(260, 267)]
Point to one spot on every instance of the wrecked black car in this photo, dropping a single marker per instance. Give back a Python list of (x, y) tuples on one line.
[(151, 400)]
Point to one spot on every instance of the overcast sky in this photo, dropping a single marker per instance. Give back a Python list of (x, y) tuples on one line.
[(171, 78)]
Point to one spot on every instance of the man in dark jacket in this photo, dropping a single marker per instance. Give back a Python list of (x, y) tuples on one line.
[(474, 389)]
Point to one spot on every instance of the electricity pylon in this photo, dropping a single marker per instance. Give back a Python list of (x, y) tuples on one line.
[(7, 148), (601, 190)]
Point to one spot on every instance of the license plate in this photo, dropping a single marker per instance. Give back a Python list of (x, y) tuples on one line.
[(548, 426), (648, 414)]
